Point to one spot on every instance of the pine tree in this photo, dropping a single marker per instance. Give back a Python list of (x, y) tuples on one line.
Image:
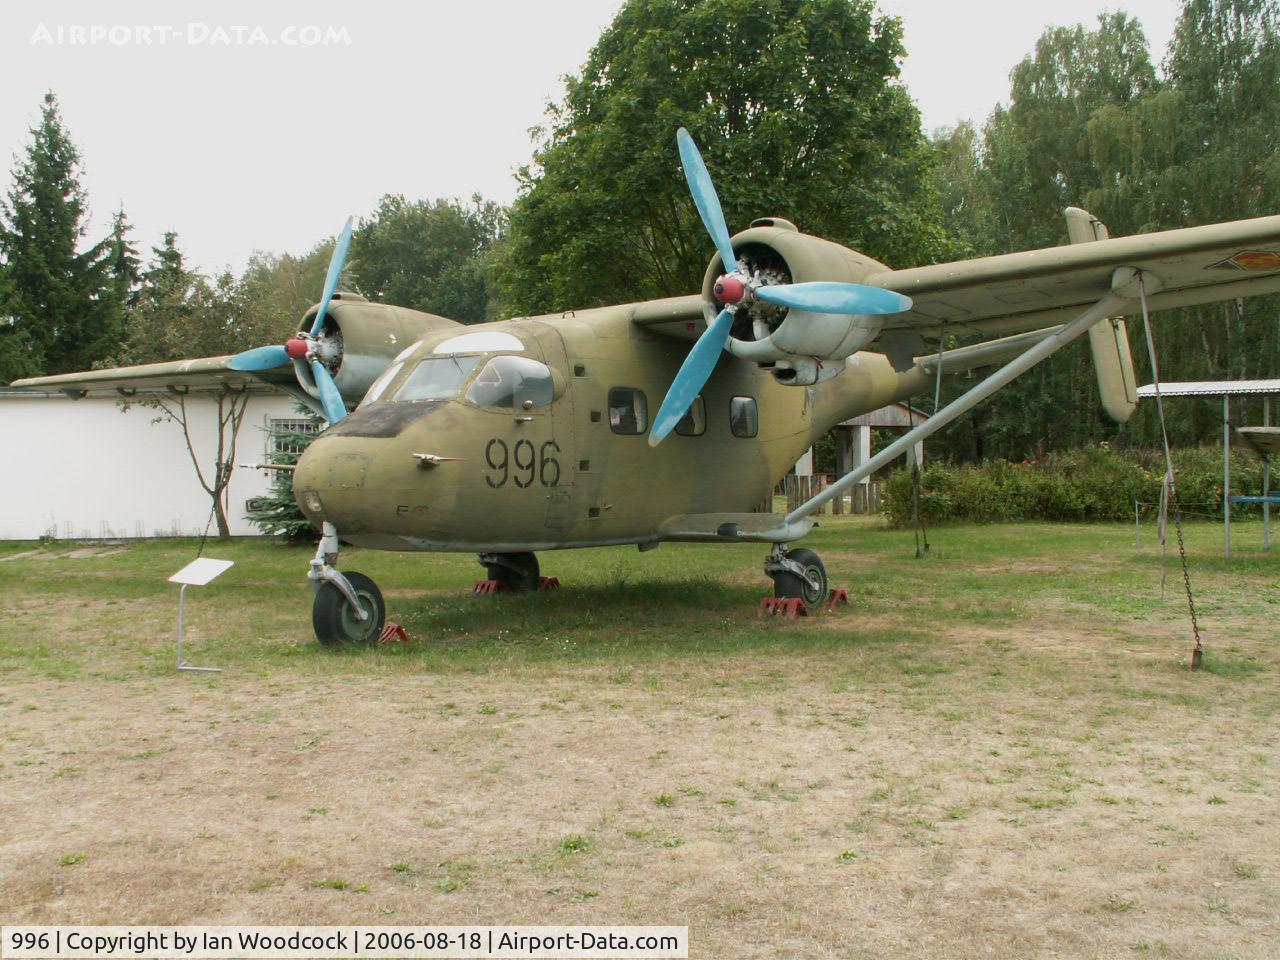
[(59, 299), (126, 268), (277, 513), (17, 354)]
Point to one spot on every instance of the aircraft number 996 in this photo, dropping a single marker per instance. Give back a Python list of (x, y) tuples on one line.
[(521, 464)]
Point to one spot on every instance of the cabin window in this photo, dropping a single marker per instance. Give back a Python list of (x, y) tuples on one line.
[(694, 421), (513, 383), (379, 385), (744, 419), (437, 378), (628, 411)]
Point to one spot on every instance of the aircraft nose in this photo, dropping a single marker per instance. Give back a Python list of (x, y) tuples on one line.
[(306, 482), (327, 474)]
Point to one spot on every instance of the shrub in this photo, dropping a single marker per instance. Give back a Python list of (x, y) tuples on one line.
[(277, 513), (1092, 483)]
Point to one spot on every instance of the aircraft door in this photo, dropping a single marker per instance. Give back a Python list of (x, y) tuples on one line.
[(527, 451)]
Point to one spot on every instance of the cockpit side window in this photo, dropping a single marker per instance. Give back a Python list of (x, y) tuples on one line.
[(512, 383), (436, 378), (378, 386)]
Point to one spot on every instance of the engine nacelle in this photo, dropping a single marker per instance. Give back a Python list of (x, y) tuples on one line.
[(359, 339), (775, 251), (806, 371)]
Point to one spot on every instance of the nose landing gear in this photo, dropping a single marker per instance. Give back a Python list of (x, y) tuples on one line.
[(348, 608)]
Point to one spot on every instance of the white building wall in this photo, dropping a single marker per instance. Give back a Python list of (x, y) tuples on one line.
[(84, 468)]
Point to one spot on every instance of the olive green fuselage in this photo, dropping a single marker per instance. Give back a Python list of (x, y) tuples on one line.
[(558, 475)]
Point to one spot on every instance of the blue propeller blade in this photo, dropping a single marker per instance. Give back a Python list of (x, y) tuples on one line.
[(829, 297), (694, 373), (259, 358), (330, 398), (705, 199), (331, 278)]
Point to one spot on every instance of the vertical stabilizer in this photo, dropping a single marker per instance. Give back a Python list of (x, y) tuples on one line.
[(1110, 340)]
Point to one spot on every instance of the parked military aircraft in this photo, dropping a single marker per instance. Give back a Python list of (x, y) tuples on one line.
[(504, 439)]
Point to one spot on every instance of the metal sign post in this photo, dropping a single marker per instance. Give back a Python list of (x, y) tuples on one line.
[(197, 573), (1266, 480)]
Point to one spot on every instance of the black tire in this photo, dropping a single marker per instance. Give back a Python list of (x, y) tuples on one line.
[(519, 571), (788, 584), (333, 617)]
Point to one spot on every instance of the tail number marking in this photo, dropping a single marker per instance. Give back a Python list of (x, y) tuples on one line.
[(522, 463)]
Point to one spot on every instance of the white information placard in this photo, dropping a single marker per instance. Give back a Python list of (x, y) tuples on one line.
[(201, 570)]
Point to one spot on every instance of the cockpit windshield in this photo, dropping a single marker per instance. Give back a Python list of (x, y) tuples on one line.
[(512, 383), (436, 378)]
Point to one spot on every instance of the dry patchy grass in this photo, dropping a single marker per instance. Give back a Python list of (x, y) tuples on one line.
[(993, 752)]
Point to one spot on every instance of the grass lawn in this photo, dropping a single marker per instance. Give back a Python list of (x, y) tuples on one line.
[(994, 751)]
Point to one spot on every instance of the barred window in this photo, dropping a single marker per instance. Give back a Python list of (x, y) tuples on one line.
[(287, 445)]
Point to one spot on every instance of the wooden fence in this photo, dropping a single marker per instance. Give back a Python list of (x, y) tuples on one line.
[(862, 499)]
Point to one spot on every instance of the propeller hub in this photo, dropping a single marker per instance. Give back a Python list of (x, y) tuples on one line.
[(730, 290), (296, 348)]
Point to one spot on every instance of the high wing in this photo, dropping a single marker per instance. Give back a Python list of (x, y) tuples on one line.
[(177, 376), (1035, 289), (1041, 288)]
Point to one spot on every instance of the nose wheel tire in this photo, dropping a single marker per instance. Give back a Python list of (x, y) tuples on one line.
[(519, 571), (811, 588), (334, 617)]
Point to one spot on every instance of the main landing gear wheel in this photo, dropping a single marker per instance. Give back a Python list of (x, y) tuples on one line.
[(811, 588), (334, 617), (517, 571)]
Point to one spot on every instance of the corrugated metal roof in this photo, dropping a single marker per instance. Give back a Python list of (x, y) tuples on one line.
[(1211, 388)]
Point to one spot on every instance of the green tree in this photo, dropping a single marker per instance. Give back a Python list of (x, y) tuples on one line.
[(60, 300), (428, 255), (179, 314), (1073, 73), (1201, 151), (1090, 123), (1033, 160), (797, 109), (125, 267), (18, 355), (276, 290), (277, 513), (962, 187)]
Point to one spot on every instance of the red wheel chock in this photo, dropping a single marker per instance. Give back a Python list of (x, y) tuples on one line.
[(788, 607), (490, 587), (393, 633), (839, 598), (792, 607)]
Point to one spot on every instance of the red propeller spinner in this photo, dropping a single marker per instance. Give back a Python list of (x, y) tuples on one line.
[(729, 289)]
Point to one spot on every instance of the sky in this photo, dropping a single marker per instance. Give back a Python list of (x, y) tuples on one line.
[(248, 126)]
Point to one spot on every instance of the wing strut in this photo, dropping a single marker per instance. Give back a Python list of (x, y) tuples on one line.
[(1126, 288)]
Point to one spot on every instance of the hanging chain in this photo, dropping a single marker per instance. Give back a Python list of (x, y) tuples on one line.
[(205, 536), (916, 518), (1197, 652)]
